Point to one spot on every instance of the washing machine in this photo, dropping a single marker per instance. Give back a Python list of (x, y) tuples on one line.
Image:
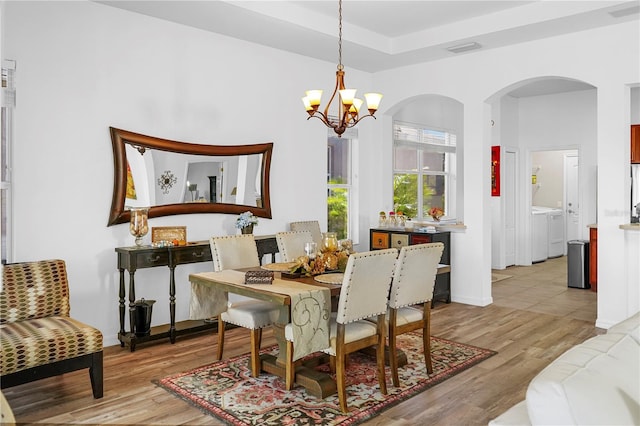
[(539, 234), (556, 238)]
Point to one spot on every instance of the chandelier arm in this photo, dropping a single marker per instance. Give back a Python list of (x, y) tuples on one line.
[(358, 120), (325, 119), (336, 91)]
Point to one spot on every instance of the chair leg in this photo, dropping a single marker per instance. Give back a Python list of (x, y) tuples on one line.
[(96, 374), (220, 338), (290, 369), (382, 381), (256, 337), (341, 372), (393, 359), (259, 336), (426, 338), (341, 382)]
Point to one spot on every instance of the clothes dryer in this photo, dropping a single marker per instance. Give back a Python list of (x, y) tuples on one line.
[(539, 234)]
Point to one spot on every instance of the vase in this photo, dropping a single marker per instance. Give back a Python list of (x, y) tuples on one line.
[(247, 229), (329, 242), (138, 224)]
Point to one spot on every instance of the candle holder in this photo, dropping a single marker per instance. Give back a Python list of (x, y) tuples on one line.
[(329, 242), (311, 249), (139, 223)]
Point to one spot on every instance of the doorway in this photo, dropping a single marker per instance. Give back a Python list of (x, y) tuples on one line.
[(571, 201), (555, 194)]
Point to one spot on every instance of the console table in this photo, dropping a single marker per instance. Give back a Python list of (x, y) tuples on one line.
[(382, 238), (133, 258)]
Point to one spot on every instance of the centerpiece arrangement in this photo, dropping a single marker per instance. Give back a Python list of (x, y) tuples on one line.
[(332, 258), (245, 222)]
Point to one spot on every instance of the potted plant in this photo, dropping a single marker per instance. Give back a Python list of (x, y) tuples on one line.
[(245, 222)]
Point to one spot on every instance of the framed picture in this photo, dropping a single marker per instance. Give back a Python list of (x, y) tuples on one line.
[(495, 171)]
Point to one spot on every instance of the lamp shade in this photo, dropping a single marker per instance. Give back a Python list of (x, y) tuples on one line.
[(314, 97), (347, 96), (373, 100)]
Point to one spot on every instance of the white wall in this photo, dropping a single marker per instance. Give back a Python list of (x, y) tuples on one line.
[(474, 79), (83, 67), (563, 121)]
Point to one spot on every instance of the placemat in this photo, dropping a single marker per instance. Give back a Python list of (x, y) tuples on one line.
[(279, 267), (330, 278)]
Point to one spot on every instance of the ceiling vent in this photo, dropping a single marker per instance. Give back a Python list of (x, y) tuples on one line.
[(464, 47)]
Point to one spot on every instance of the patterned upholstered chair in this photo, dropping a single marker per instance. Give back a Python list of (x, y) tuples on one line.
[(39, 338)]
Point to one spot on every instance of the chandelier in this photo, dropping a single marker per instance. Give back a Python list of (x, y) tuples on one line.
[(348, 105)]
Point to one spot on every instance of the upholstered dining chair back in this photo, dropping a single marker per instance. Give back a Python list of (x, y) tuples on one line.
[(414, 279), (234, 252), (291, 244), (312, 226), (415, 274), (365, 286)]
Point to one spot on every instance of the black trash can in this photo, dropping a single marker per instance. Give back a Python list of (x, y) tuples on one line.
[(143, 310), (578, 264)]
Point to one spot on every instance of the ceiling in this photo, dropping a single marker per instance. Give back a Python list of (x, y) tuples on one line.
[(382, 35)]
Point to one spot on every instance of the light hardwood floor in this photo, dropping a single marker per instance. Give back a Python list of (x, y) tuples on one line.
[(534, 318)]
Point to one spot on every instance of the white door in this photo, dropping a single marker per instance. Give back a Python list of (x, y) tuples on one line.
[(509, 185), (571, 197)]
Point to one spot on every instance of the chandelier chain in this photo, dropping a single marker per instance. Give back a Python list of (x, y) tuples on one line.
[(340, 66)]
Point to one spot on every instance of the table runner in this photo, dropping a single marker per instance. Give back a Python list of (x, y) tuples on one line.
[(310, 307)]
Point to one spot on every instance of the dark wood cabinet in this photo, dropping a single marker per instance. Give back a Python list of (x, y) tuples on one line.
[(381, 238), (635, 143), (593, 258), (133, 258)]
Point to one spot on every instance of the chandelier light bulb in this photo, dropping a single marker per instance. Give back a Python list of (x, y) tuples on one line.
[(347, 96), (373, 101), (307, 104), (314, 96), (355, 108)]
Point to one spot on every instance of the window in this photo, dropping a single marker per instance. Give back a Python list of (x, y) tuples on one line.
[(6, 114), (340, 186), (423, 170)]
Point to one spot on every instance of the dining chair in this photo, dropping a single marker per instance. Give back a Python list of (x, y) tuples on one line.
[(234, 252), (291, 244), (414, 279), (364, 292), (312, 226)]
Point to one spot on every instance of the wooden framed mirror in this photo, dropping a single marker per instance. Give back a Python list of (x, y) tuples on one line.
[(172, 177)]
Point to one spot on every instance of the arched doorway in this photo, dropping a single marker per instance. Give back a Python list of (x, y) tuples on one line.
[(546, 114)]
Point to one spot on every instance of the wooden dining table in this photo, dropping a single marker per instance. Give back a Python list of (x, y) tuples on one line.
[(317, 383)]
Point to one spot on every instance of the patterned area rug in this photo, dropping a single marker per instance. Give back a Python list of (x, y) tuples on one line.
[(226, 390)]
